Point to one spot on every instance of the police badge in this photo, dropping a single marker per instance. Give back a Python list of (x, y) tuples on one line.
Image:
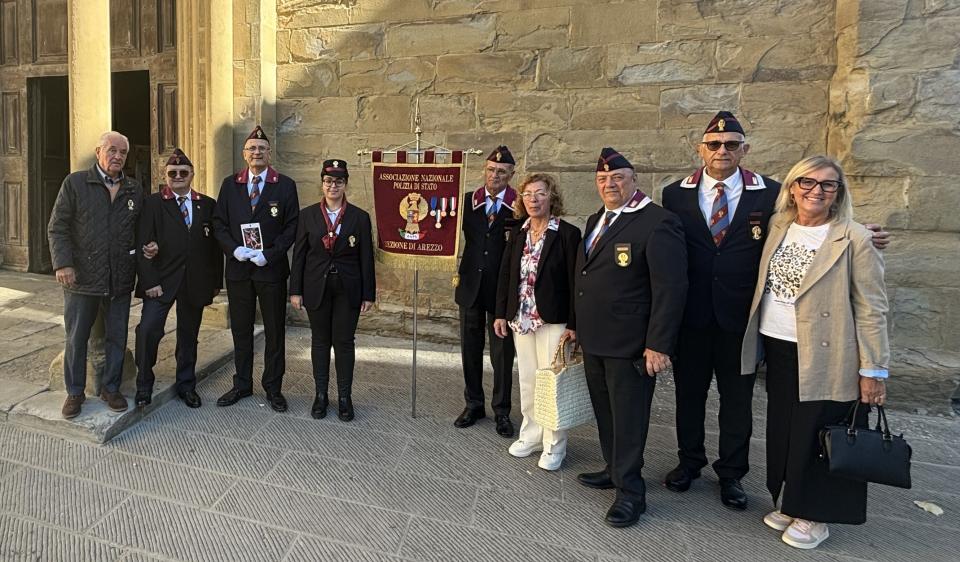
[(352, 241), (130, 204), (756, 232), (274, 211), (622, 254)]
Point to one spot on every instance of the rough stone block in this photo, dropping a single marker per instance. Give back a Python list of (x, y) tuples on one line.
[(904, 151), (387, 77), (385, 114), (880, 200), (341, 43), (661, 63), (938, 97), (614, 108), (925, 317), (522, 111), (533, 29), (924, 260), (486, 71), (694, 106), (448, 113), (785, 106), (324, 115), (571, 151), (608, 24), (467, 35), (934, 204), (573, 68), (307, 80), (772, 59), (931, 44)]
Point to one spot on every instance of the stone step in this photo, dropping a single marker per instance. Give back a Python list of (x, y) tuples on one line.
[(39, 407)]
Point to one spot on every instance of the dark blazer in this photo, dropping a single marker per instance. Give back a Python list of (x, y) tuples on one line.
[(483, 244), (553, 289), (722, 279), (277, 212), (352, 256), (189, 264), (623, 309)]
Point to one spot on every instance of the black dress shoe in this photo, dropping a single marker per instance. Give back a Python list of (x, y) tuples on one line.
[(190, 398), (679, 479), (469, 417), (142, 398), (319, 409), (277, 402), (599, 480), (625, 512), (504, 426), (233, 396), (345, 408), (732, 494)]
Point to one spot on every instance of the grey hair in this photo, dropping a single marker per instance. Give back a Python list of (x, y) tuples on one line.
[(102, 142)]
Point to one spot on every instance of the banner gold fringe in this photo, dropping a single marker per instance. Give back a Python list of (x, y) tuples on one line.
[(423, 263)]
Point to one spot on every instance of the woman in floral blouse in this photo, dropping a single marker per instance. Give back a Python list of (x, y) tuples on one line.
[(535, 301)]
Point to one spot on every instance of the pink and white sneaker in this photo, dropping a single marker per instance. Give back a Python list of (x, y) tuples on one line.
[(805, 534)]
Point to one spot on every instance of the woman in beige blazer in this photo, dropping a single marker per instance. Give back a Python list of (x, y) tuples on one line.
[(819, 318)]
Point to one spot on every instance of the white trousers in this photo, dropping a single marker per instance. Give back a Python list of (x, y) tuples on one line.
[(535, 350)]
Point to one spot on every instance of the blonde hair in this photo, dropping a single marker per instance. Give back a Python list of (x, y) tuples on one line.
[(553, 189), (842, 207)]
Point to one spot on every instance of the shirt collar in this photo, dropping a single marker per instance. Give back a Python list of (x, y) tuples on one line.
[(708, 183), (497, 196), (104, 176), (263, 176), (553, 224)]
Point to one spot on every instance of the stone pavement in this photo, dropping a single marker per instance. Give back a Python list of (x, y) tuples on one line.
[(245, 483)]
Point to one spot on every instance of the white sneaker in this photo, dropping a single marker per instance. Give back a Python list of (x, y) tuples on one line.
[(777, 520), (805, 534), (521, 449), (550, 461)]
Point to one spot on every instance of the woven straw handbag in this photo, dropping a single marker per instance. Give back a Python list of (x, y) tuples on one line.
[(562, 399)]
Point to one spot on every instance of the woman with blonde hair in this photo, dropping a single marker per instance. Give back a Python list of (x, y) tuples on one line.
[(819, 316), (535, 301)]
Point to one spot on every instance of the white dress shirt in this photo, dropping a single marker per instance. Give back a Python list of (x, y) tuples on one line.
[(263, 181), (733, 187)]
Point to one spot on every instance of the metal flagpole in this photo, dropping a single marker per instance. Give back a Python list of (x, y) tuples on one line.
[(418, 131)]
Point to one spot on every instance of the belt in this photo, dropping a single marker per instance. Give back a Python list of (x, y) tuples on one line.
[(333, 270)]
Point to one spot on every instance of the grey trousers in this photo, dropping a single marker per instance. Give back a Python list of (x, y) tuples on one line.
[(79, 314)]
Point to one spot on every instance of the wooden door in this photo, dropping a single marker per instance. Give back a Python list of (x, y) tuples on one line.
[(49, 159)]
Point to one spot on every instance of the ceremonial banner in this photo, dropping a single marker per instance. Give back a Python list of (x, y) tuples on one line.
[(418, 214)]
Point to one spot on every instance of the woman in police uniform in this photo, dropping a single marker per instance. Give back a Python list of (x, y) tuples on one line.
[(333, 279)]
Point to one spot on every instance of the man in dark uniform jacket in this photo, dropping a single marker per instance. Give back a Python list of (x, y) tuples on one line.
[(260, 200), (724, 209), (189, 271), (486, 214), (631, 282)]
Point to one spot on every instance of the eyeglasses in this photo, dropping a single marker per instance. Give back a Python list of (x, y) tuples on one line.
[(828, 186), (529, 195), (714, 146), (498, 171), (330, 182), (178, 173), (255, 149)]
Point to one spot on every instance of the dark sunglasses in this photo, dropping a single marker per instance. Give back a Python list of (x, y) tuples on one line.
[(714, 146), (828, 186), (178, 173)]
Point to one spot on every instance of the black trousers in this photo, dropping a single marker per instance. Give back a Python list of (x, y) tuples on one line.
[(150, 331), (243, 311), (475, 324), (794, 466), (621, 398), (701, 355), (333, 323)]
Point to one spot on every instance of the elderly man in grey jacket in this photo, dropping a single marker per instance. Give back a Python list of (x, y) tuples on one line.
[(92, 234)]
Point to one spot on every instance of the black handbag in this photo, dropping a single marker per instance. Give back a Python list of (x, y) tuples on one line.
[(864, 454)]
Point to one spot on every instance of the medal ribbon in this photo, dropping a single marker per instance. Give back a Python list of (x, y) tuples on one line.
[(331, 238)]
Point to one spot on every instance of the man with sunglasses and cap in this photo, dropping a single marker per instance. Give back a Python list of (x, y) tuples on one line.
[(188, 272), (260, 200), (724, 209), (487, 214), (631, 282)]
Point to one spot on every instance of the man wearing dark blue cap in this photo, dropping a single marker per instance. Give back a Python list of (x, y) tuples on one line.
[(631, 283), (724, 209), (188, 271), (486, 214)]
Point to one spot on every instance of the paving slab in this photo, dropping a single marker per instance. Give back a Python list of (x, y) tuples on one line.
[(23, 540)]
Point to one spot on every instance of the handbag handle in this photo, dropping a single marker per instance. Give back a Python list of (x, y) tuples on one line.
[(881, 418), (560, 358)]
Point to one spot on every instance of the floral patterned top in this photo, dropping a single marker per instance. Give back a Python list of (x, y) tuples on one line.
[(528, 319)]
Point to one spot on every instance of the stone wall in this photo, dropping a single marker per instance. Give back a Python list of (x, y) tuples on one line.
[(556, 80)]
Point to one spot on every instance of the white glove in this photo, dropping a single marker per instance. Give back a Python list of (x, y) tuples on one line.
[(241, 254), (258, 258)]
